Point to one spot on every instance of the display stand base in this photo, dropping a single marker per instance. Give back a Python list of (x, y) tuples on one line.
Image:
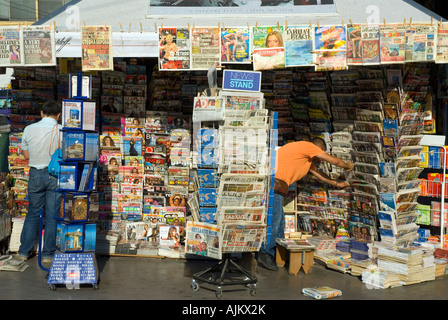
[(225, 273), (73, 270)]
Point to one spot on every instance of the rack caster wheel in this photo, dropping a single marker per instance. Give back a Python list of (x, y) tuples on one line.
[(95, 286), (52, 287), (218, 292), (194, 285), (253, 289)]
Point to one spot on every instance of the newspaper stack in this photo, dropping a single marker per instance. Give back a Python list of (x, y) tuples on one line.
[(440, 267), (407, 262), (429, 267), (8, 263), (378, 278), (17, 226)]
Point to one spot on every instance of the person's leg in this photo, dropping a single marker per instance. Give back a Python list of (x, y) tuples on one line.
[(52, 206), (36, 198), (278, 224), (266, 256)]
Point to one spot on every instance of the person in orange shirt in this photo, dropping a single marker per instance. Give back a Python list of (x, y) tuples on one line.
[(294, 161)]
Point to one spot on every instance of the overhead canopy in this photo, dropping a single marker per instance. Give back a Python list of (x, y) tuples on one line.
[(134, 22)]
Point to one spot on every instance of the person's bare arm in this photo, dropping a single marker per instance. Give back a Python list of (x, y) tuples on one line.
[(26, 154), (335, 161), (324, 178)]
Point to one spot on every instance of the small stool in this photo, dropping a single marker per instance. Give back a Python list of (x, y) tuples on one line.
[(298, 258)]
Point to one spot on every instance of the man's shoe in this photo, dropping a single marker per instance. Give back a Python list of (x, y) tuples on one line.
[(47, 259), (266, 261), (19, 257)]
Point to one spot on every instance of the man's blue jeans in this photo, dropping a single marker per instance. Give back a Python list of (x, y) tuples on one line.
[(278, 225), (41, 195)]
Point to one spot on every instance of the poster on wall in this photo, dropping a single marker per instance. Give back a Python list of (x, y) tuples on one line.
[(354, 45), (39, 46), (96, 46), (299, 46), (174, 49), (420, 43), (392, 43), (268, 48), (235, 45), (11, 47), (330, 48), (205, 47), (370, 44), (226, 8), (442, 44)]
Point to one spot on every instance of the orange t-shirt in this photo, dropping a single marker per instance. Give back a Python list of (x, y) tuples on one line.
[(294, 160)]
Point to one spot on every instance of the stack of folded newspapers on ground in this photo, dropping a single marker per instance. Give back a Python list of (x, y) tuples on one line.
[(407, 262)]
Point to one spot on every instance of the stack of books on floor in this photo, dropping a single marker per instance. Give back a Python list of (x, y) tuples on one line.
[(429, 267), (358, 266), (379, 278), (407, 262), (17, 226)]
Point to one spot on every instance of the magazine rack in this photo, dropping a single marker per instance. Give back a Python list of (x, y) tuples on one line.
[(439, 142), (244, 219), (74, 263)]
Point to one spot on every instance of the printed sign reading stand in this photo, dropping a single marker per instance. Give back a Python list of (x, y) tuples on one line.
[(237, 80)]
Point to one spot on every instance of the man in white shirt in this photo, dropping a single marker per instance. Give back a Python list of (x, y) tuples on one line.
[(39, 141)]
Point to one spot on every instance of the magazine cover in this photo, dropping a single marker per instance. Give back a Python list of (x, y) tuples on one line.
[(203, 239), (268, 48), (235, 45), (392, 43), (442, 44), (112, 104), (39, 47), (299, 46), (205, 47), (322, 292), (354, 45), (169, 236), (330, 47), (242, 237), (132, 146), (174, 49), (96, 46), (11, 47), (134, 106), (370, 45), (420, 43)]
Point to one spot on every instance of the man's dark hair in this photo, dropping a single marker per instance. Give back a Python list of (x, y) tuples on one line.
[(51, 108), (319, 142)]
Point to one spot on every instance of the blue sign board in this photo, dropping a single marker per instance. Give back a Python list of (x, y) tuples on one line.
[(238, 80), (73, 269)]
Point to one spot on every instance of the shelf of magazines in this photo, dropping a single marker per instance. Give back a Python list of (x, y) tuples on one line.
[(243, 190), (434, 184)]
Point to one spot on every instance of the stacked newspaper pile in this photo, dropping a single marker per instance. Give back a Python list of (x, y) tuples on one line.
[(378, 278), (8, 263), (407, 262), (17, 226)]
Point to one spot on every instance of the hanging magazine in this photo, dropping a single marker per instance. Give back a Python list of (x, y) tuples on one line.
[(392, 43), (268, 48), (39, 46), (330, 47), (370, 45), (442, 44), (299, 46), (354, 45), (174, 49), (235, 45), (96, 44), (11, 47), (420, 43), (205, 47)]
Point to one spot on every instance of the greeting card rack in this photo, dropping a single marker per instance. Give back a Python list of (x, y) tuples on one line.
[(74, 263)]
